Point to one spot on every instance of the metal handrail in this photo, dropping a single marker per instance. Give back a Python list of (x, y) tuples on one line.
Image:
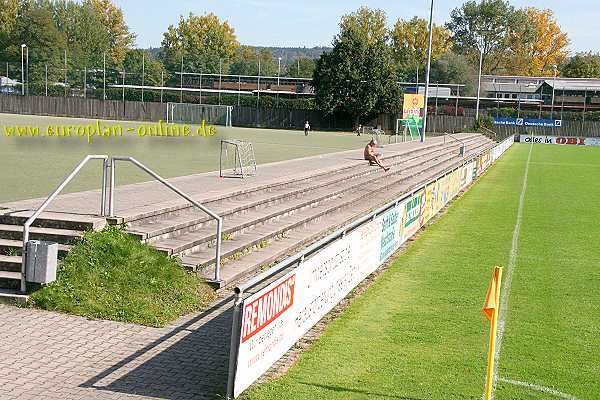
[(52, 196), (179, 192), (489, 130), (463, 144)]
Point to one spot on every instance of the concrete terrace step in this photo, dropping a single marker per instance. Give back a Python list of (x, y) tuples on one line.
[(10, 264), (53, 220), (244, 241), (7, 246), (295, 240), (62, 236), (350, 160), (194, 219), (180, 245)]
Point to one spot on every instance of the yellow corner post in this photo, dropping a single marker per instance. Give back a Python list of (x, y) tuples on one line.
[(491, 307)]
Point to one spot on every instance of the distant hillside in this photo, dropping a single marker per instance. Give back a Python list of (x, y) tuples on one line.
[(286, 53)]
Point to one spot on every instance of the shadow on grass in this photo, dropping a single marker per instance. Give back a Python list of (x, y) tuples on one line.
[(194, 367), (360, 391)]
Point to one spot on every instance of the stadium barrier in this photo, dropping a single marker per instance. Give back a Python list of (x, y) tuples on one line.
[(561, 140), (268, 319)]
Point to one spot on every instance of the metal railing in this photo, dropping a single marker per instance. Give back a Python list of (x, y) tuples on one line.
[(49, 199), (215, 216), (463, 145)]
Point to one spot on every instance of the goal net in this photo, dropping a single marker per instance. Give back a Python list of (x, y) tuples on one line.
[(236, 159), (190, 113)]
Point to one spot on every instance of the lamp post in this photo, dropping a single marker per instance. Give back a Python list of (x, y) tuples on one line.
[(479, 77), (553, 91), (23, 46), (427, 71), (278, 74)]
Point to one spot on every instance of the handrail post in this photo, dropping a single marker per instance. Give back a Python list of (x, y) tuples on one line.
[(111, 202), (49, 199), (218, 250), (103, 200)]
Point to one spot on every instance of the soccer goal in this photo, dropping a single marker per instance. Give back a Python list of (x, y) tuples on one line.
[(408, 128), (236, 159), (190, 113)]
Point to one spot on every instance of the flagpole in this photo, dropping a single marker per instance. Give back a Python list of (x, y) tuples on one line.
[(489, 379)]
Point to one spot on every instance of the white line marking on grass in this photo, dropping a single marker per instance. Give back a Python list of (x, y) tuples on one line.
[(539, 388), (512, 261)]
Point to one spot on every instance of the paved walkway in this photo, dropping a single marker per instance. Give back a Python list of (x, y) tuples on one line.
[(46, 355)]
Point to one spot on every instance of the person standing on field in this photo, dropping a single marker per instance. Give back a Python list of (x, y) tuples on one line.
[(306, 127)]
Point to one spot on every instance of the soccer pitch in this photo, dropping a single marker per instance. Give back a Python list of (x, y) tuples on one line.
[(418, 332), (33, 167)]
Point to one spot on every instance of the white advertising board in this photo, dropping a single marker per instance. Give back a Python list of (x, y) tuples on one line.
[(278, 315), (560, 140)]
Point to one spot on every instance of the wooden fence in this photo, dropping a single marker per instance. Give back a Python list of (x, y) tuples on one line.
[(277, 118)]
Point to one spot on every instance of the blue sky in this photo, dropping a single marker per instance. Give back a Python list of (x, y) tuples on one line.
[(314, 23)]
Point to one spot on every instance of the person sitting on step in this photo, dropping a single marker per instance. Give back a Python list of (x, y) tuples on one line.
[(372, 157)]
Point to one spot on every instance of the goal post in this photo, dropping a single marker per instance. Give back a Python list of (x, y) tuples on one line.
[(190, 113), (236, 159)]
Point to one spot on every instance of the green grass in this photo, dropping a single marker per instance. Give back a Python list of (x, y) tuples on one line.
[(34, 166), (418, 331), (111, 275)]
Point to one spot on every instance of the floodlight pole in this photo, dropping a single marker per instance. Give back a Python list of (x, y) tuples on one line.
[(553, 91), (104, 76), (143, 72), (427, 71), (278, 74), (479, 81), (220, 75), (23, 69), (181, 82)]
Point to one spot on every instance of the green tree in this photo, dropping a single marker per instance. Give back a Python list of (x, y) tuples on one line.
[(247, 59), (455, 68), (138, 61), (111, 17), (203, 42), (302, 67), (35, 28), (8, 18), (493, 26), (357, 76), (582, 65), (410, 42)]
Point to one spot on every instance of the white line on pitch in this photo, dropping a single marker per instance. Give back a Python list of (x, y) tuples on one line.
[(512, 261), (539, 388)]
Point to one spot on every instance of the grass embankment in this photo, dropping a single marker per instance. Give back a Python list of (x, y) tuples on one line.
[(111, 275), (418, 332)]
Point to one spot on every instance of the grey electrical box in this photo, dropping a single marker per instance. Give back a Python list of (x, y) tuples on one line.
[(41, 261), (461, 152)]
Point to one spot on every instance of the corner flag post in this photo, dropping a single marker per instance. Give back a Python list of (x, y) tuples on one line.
[(491, 307)]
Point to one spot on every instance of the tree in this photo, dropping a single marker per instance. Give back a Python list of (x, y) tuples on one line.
[(410, 42), (455, 68), (8, 17), (138, 61), (247, 59), (303, 67), (357, 76), (547, 49), (583, 65), (35, 27), (120, 38), (491, 26), (203, 41)]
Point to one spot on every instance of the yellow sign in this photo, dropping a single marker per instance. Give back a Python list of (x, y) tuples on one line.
[(412, 107)]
